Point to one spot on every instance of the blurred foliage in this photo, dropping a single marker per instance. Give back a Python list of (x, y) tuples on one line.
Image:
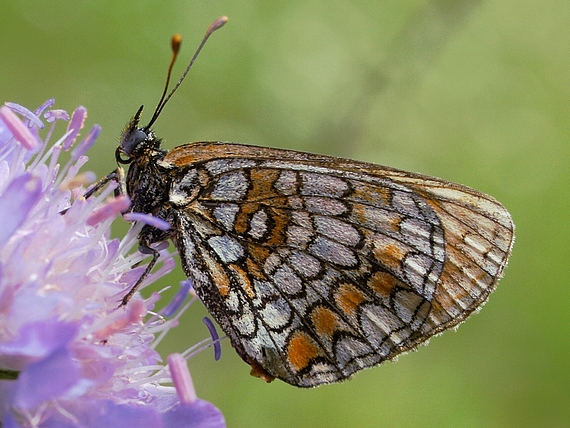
[(475, 92)]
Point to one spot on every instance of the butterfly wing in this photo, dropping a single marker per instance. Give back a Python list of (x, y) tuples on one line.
[(317, 267)]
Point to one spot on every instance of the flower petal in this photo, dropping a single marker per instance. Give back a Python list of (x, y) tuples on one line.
[(181, 378), (148, 219), (86, 144), (111, 209), (16, 203), (215, 338), (198, 414), (27, 114), (178, 299), (18, 129), (46, 379), (36, 340), (106, 413), (75, 125)]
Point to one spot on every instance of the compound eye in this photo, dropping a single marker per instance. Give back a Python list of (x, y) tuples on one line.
[(130, 141)]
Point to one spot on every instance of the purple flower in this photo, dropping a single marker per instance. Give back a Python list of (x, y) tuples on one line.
[(69, 355)]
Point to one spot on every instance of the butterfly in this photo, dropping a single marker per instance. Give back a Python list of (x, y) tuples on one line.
[(315, 267)]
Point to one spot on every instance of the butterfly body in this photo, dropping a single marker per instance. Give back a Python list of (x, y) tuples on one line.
[(317, 267)]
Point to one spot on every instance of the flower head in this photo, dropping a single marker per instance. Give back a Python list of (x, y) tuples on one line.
[(69, 354)]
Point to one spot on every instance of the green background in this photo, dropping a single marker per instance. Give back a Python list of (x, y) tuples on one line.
[(476, 92)]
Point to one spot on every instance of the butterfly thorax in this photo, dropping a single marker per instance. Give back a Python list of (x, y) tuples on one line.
[(147, 186)]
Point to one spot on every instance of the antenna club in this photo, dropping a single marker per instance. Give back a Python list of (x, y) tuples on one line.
[(175, 42), (218, 23)]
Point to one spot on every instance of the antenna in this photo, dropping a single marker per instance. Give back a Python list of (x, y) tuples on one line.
[(175, 44)]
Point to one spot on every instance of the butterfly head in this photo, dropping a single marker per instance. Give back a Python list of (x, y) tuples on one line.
[(135, 140)]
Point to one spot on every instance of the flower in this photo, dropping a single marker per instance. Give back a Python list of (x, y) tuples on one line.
[(70, 356)]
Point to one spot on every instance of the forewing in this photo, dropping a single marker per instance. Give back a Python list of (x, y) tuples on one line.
[(317, 267)]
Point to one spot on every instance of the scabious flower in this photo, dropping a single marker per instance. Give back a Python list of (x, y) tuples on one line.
[(70, 356)]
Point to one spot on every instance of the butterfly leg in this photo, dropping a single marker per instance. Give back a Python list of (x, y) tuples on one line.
[(118, 175), (155, 255)]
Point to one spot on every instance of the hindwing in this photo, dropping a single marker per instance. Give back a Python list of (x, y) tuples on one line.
[(317, 267)]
